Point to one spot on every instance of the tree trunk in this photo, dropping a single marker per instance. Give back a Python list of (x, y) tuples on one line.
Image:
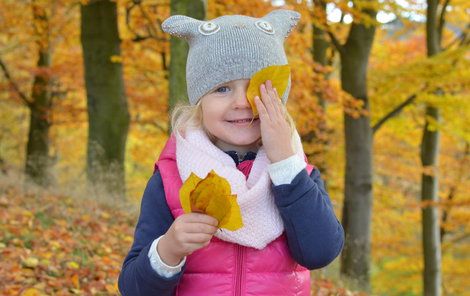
[(108, 115), (319, 50), (37, 150), (357, 208), (179, 52), (430, 216), (320, 44), (430, 184)]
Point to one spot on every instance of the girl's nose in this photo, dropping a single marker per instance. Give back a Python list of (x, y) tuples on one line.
[(241, 100)]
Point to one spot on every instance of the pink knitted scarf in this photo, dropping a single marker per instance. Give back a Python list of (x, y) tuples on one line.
[(262, 222)]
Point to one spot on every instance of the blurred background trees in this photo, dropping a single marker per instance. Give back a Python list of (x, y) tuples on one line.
[(108, 115), (380, 96)]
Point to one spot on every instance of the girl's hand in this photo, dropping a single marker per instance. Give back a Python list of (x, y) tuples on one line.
[(188, 233), (275, 130)]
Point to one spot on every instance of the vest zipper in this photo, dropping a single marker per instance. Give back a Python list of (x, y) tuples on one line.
[(240, 269)]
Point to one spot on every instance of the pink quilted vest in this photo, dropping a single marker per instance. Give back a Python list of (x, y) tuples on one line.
[(224, 268)]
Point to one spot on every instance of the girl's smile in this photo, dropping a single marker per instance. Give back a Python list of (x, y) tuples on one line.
[(243, 121)]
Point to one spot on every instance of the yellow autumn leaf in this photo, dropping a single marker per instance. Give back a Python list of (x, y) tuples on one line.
[(73, 265), (31, 292), (112, 288), (211, 196), (205, 196), (279, 76), (105, 215), (233, 219), (185, 191), (30, 262), (55, 245)]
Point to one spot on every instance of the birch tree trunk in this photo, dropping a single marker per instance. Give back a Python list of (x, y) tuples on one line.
[(429, 181)]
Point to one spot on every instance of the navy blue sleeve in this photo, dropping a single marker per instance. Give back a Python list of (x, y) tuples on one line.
[(137, 277), (314, 234)]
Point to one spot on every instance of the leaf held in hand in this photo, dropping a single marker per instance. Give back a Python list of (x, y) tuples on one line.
[(211, 196), (185, 191), (279, 76)]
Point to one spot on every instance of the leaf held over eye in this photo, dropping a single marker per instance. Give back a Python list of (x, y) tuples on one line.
[(279, 76), (211, 196)]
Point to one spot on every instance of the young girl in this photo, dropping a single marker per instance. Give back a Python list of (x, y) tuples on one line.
[(289, 226)]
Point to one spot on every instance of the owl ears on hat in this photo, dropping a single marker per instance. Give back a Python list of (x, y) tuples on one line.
[(181, 26), (278, 22), (283, 21)]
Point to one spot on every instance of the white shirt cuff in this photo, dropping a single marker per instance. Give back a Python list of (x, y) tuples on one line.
[(159, 266), (284, 171)]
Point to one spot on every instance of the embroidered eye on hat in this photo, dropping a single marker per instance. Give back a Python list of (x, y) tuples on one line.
[(231, 47)]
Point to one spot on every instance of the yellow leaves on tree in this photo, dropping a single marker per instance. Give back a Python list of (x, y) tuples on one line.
[(279, 76), (211, 196)]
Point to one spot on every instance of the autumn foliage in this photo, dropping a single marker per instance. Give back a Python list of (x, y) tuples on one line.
[(51, 244), (60, 244)]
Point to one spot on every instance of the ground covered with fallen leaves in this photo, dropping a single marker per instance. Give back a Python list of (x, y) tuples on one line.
[(57, 245), (54, 244)]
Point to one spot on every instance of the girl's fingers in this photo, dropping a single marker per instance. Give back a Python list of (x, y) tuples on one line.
[(278, 103), (200, 218), (274, 98), (267, 100), (201, 228), (271, 103), (270, 89), (263, 113), (198, 238)]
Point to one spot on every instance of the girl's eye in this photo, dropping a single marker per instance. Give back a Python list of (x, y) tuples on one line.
[(222, 89)]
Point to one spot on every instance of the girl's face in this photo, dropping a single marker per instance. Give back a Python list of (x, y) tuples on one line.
[(227, 115)]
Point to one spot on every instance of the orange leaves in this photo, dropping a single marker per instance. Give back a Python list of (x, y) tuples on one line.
[(325, 286), (54, 245), (212, 196), (279, 76)]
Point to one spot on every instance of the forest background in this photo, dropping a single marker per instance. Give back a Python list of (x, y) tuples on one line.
[(380, 96)]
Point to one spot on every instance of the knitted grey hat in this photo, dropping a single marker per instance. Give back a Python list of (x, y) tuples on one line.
[(231, 47)]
